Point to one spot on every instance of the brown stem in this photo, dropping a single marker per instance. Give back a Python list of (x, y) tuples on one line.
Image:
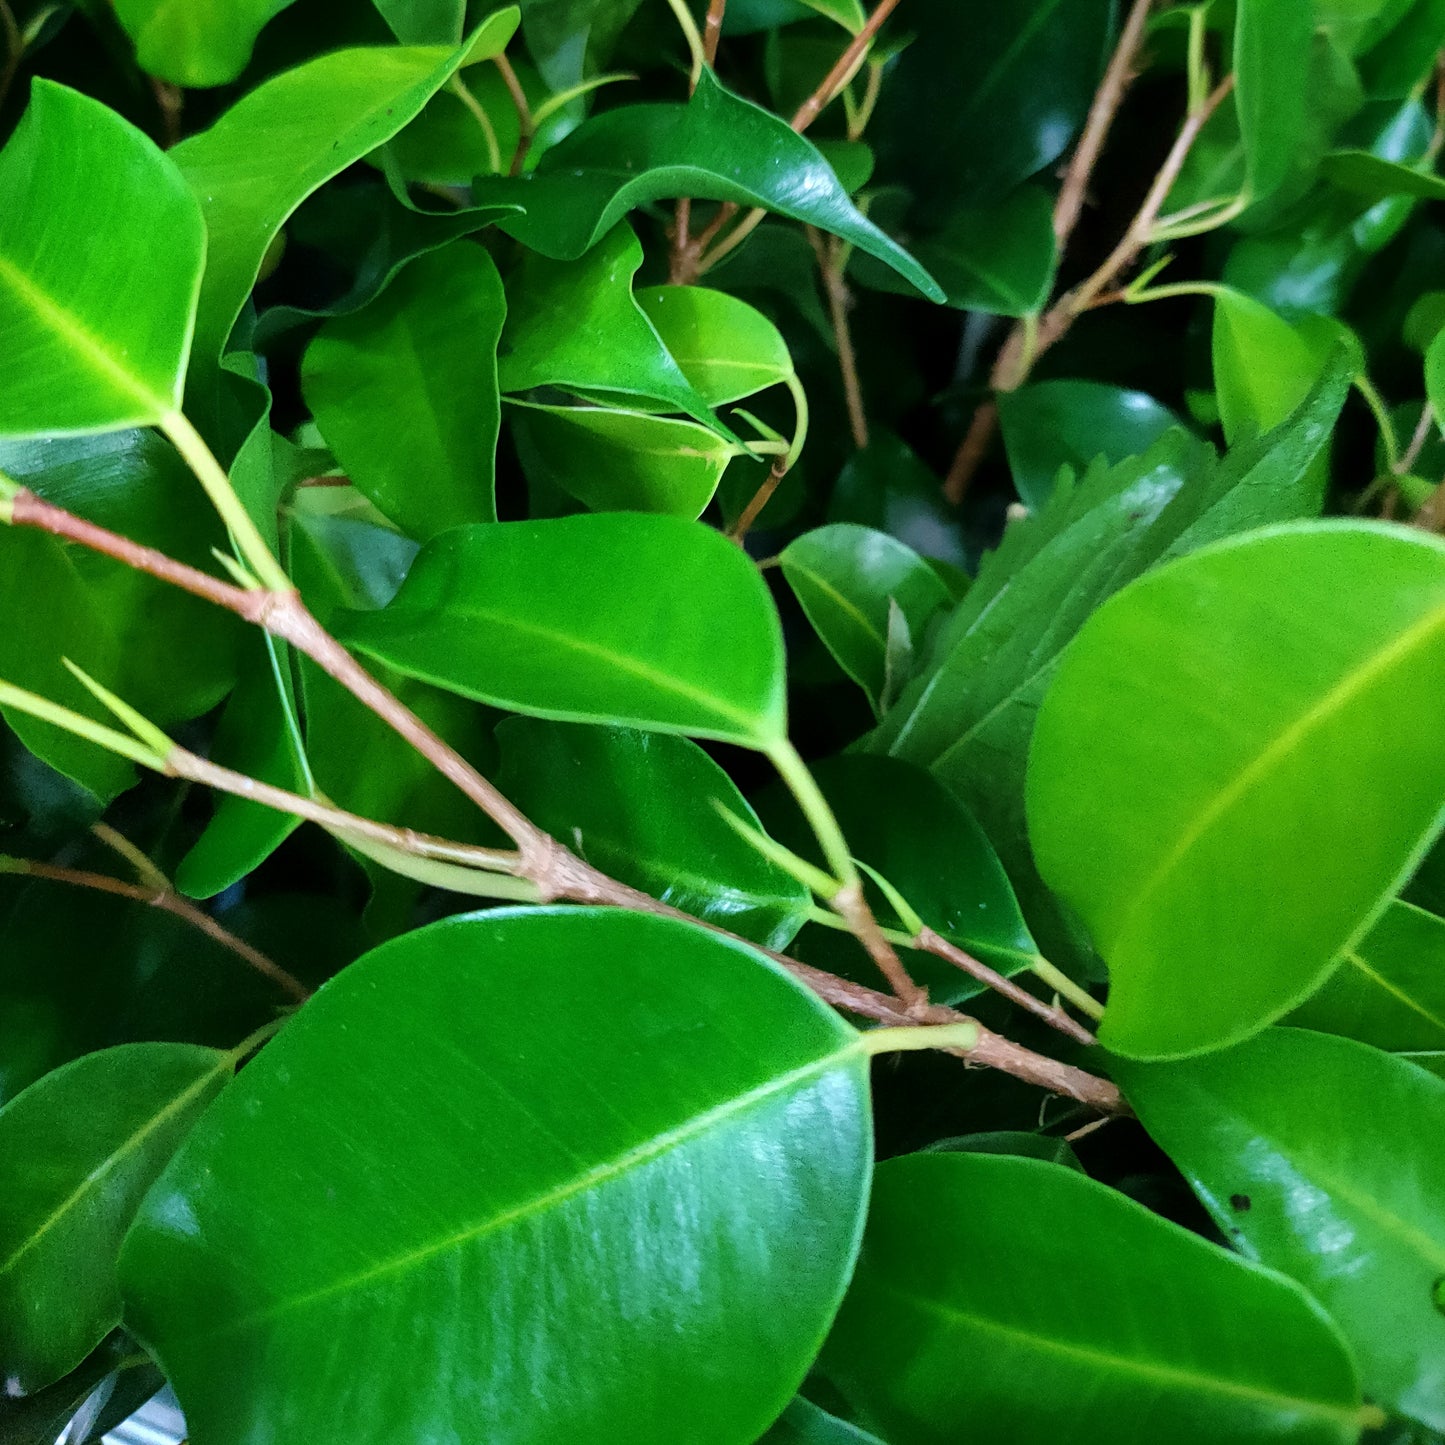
[(851, 906), (526, 124), (1420, 436), (712, 29), (843, 69), (682, 262), (971, 451), (928, 941), (760, 499), (830, 255), (170, 902)]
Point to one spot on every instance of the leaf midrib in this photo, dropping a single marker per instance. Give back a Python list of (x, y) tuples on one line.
[(1168, 1375), (1394, 990), (603, 1173)]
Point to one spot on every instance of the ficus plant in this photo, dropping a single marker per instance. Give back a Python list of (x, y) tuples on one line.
[(722, 721)]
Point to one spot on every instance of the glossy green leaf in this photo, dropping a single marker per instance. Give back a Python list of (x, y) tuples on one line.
[(1015, 1143), (1389, 988), (424, 22), (570, 39), (1025, 1294), (622, 461), (195, 42), (592, 619), (404, 392), (743, 17), (725, 348), (41, 1418), (716, 147), (1318, 1156), (975, 73), (851, 581), (80, 1148), (1403, 56), (278, 144), (576, 325), (803, 1423), (1271, 68), (90, 204), (1051, 424), (568, 1272), (1189, 734), (646, 808), (1364, 174)]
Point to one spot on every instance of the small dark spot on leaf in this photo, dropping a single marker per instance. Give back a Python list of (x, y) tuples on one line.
[(391, 110), (1240, 1203)]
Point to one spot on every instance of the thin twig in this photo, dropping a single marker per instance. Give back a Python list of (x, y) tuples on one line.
[(526, 123), (971, 451), (712, 29), (169, 901), (830, 255), (759, 500), (1417, 441)]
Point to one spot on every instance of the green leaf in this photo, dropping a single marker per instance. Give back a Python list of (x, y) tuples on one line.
[(279, 143), (975, 74), (1435, 372), (1400, 59), (253, 737), (850, 581), (1271, 69), (1389, 988), (622, 461), (576, 325), (970, 717), (425, 22), (80, 1148), (1363, 174), (592, 619), (725, 348), (1187, 735), (1024, 1294), (716, 147), (568, 1271), (91, 204), (1015, 1143), (644, 808), (41, 1418), (404, 392), (1052, 424), (1318, 1156), (803, 1423), (571, 39), (195, 42)]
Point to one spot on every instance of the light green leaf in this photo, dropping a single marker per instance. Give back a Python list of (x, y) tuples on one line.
[(716, 147), (565, 1271), (1024, 1294), (644, 808), (848, 580), (1389, 988), (725, 348), (1246, 739), (279, 143), (195, 43), (622, 461), (404, 391), (1320, 1157), (592, 619), (1272, 68), (91, 204), (425, 22), (80, 1148)]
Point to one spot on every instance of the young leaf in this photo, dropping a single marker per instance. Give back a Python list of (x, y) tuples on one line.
[(195, 43), (725, 348), (90, 204), (404, 392), (659, 1269), (622, 461), (80, 1148), (278, 144), (980, 1273), (1319, 1157), (1272, 70), (717, 147), (644, 807), (1236, 767), (1388, 989), (591, 619), (847, 578), (576, 325)]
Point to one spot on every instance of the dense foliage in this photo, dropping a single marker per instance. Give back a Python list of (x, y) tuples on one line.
[(460, 460)]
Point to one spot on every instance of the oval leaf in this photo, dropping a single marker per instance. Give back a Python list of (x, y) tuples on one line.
[(90, 204), (1320, 1157), (404, 391), (980, 1272), (1236, 766), (195, 42), (1272, 73), (592, 619), (80, 1147), (671, 1260)]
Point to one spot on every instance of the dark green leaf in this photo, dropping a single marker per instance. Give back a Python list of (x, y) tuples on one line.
[(80, 1148), (1012, 1142), (803, 1423), (1025, 1294), (41, 1418), (1318, 1156), (1186, 735), (604, 1256), (195, 42), (1364, 174), (592, 619), (404, 392), (1271, 68), (90, 204)]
